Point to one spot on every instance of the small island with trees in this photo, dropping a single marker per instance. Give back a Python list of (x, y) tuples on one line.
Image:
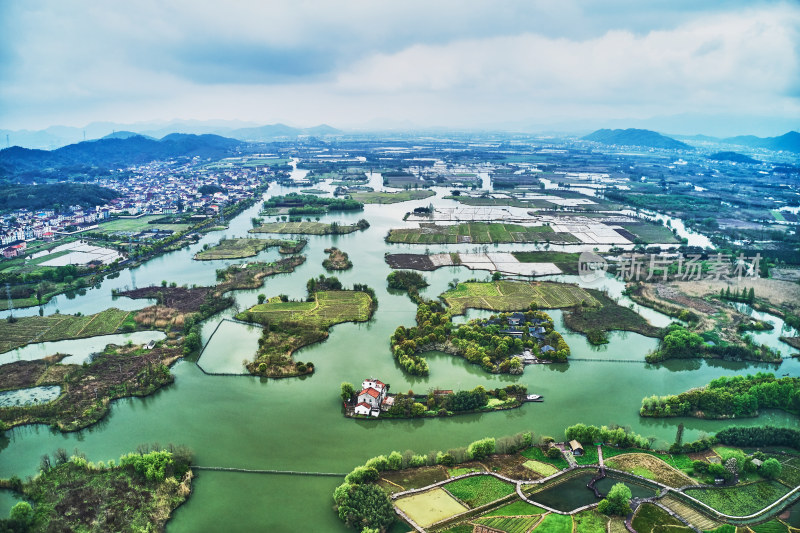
[(240, 248), (336, 260), (374, 401)]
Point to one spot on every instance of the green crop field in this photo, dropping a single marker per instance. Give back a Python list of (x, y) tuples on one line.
[(429, 507), (479, 490), (589, 457), (650, 233), (391, 197), (328, 308), (741, 500), (508, 524), (590, 521), (555, 523), (33, 329), (517, 508), (477, 233), (689, 513), (514, 296), (139, 224), (773, 526), (778, 216), (652, 519), (304, 228), (543, 469)]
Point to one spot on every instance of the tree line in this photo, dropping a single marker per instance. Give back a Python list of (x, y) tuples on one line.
[(737, 396)]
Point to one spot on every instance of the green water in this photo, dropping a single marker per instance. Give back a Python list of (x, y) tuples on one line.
[(573, 493), (296, 424)]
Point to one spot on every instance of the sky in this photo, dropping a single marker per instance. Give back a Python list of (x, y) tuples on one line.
[(524, 65)]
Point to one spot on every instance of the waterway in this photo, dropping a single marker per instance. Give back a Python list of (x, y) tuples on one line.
[(296, 423)]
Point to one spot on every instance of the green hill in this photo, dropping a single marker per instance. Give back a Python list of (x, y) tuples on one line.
[(635, 137)]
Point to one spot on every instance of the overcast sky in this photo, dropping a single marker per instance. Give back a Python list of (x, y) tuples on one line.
[(348, 63)]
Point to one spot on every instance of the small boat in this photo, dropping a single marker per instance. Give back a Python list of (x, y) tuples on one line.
[(534, 398)]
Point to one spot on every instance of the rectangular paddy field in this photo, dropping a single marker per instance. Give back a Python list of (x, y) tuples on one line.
[(515, 296), (330, 307), (430, 507), (477, 233)]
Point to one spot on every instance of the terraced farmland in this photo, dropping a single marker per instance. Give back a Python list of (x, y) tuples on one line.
[(33, 329), (514, 296), (477, 233)]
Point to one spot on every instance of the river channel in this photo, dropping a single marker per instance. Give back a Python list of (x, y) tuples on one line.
[(296, 424)]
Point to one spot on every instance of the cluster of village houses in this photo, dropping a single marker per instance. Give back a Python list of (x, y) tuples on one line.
[(535, 330), (157, 188), (373, 398)]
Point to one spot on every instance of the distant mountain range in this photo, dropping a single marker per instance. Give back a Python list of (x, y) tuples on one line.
[(733, 156), (114, 152), (636, 137), (58, 136), (788, 142)]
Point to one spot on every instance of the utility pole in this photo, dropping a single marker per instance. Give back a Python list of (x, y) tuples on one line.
[(10, 303)]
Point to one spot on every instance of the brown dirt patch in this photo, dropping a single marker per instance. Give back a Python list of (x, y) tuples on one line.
[(410, 261)]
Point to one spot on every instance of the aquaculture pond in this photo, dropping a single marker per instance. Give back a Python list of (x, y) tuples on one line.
[(297, 423), (574, 493), (31, 396)]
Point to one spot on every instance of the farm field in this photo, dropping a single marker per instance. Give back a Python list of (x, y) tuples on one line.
[(650, 233), (304, 228), (33, 329), (540, 468), (649, 467), (477, 233), (479, 490), (391, 197), (509, 524), (590, 521), (139, 224), (430, 507), (740, 500), (555, 523), (327, 309), (517, 508), (514, 296), (652, 519), (689, 513), (239, 248)]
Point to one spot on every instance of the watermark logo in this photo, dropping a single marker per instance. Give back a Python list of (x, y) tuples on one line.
[(591, 267)]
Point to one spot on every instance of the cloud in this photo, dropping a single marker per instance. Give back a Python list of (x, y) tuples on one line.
[(744, 59), (450, 62)]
